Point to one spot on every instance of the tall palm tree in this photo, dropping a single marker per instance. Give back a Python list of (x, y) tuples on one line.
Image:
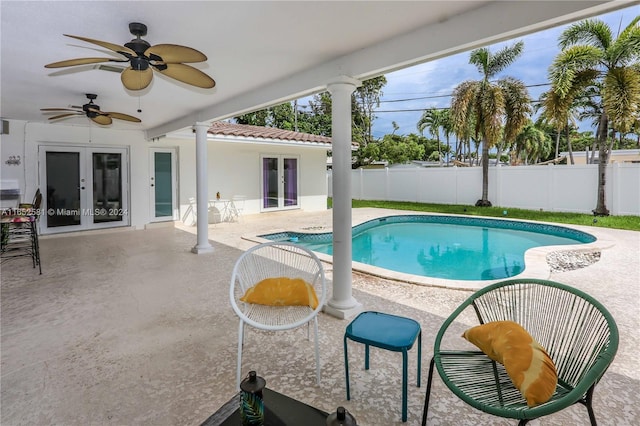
[(491, 105), (592, 58), (433, 119)]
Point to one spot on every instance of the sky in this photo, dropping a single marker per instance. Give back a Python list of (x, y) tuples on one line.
[(430, 85)]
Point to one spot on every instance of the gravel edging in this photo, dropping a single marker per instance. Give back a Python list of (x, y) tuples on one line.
[(561, 261)]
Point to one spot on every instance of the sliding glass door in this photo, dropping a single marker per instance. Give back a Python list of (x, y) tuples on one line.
[(280, 182), (84, 188)]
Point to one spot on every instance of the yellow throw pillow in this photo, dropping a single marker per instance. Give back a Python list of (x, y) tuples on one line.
[(282, 291), (527, 363)]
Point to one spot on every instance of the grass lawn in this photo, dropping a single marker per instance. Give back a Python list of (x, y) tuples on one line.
[(631, 223)]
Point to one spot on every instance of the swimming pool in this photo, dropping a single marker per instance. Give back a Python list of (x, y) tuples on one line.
[(447, 247)]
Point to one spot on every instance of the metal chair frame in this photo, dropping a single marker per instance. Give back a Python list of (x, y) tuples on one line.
[(269, 260), (578, 332)]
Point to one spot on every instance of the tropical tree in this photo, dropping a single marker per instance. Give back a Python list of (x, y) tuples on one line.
[(366, 99), (491, 105), (591, 57), (433, 120), (532, 143)]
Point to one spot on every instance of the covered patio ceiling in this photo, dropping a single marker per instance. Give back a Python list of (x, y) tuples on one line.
[(259, 52)]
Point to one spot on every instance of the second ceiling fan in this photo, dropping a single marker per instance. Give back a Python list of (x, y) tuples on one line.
[(91, 110), (167, 59)]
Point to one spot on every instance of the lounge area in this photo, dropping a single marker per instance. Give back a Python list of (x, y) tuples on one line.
[(129, 327)]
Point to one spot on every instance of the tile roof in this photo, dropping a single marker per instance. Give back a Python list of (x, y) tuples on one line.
[(259, 132)]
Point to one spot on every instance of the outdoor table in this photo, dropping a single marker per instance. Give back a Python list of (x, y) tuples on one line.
[(280, 410)]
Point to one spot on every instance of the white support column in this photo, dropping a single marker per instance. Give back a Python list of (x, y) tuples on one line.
[(342, 304), (202, 190)]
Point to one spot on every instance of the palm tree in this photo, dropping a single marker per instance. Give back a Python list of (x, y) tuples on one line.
[(532, 143), (592, 58), (433, 119), (491, 104)]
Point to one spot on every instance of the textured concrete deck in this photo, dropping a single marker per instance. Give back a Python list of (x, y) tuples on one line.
[(129, 327)]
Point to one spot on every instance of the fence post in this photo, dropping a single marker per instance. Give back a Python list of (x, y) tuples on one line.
[(613, 180)]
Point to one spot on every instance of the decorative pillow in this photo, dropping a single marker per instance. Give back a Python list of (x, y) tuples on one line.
[(527, 363), (282, 291)]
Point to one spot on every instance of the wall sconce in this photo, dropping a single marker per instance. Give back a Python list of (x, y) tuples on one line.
[(13, 160)]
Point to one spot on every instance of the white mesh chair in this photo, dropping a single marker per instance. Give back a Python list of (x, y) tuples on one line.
[(270, 260)]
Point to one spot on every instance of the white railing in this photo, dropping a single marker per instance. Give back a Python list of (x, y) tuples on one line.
[(550, 188)]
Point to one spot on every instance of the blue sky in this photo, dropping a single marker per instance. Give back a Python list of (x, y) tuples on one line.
[(436, 80)]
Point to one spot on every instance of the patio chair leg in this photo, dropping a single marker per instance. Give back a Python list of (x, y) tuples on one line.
[(346, 367), (317, 346), (404, 384), (426, 397), (587, 402), (240, 344)]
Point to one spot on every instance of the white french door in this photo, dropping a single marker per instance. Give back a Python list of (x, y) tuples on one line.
[(163, 186), (280, 182), (84, 188)]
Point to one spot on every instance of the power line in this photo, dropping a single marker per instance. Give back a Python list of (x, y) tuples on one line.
[(449, 95)]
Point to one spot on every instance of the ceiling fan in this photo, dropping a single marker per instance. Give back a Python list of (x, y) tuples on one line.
[(92, 111), (168, 59)]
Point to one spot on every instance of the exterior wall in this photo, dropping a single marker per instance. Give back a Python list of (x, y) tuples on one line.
[(234, 169), (550, 188), (24, 139), (617, 156)]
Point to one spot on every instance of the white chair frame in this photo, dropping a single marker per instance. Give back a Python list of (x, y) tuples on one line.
[(269, 260)]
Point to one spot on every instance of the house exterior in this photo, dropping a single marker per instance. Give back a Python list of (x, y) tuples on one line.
[(616, 156), (95, 178)]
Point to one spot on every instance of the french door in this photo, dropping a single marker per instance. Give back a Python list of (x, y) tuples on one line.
[(163, 191), (84, 188), (280, 181)]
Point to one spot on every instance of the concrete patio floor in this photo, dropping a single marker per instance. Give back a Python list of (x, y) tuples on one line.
[(129, 327)]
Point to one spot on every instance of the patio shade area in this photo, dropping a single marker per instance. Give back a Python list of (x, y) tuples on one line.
[(129, 327)]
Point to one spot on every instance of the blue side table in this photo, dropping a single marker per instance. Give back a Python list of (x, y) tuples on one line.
[(386, 331)]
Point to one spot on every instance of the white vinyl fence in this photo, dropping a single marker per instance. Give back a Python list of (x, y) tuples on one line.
[(550, 188)]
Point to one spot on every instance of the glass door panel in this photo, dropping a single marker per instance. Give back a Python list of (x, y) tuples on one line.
[(290, 182), (63, 189), (163, 195), (269, 182), (163, 189), (107, 188)]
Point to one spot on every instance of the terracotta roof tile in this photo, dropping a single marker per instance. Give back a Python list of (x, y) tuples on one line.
[(259, 132)]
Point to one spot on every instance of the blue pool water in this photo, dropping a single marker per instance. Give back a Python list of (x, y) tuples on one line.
[(449, 247)]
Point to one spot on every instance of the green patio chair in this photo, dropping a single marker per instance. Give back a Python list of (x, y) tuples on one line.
[(577, 331)]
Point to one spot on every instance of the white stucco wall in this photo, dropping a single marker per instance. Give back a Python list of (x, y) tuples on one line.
[(235, 169), (25, 138)]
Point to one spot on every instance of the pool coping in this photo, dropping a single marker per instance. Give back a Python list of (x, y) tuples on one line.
[(535, 259)]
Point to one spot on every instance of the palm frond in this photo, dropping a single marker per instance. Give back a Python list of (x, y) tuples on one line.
[(621, 97), (492, 104), (461, 107), (569, 63), (626, 49), (480, 58), (593, 32), (517, 106), (503, 58)]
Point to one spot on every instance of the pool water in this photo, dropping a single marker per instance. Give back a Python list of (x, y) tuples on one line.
[(448, 247)]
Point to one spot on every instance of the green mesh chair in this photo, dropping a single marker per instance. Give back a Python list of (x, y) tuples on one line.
[(578, 333)]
